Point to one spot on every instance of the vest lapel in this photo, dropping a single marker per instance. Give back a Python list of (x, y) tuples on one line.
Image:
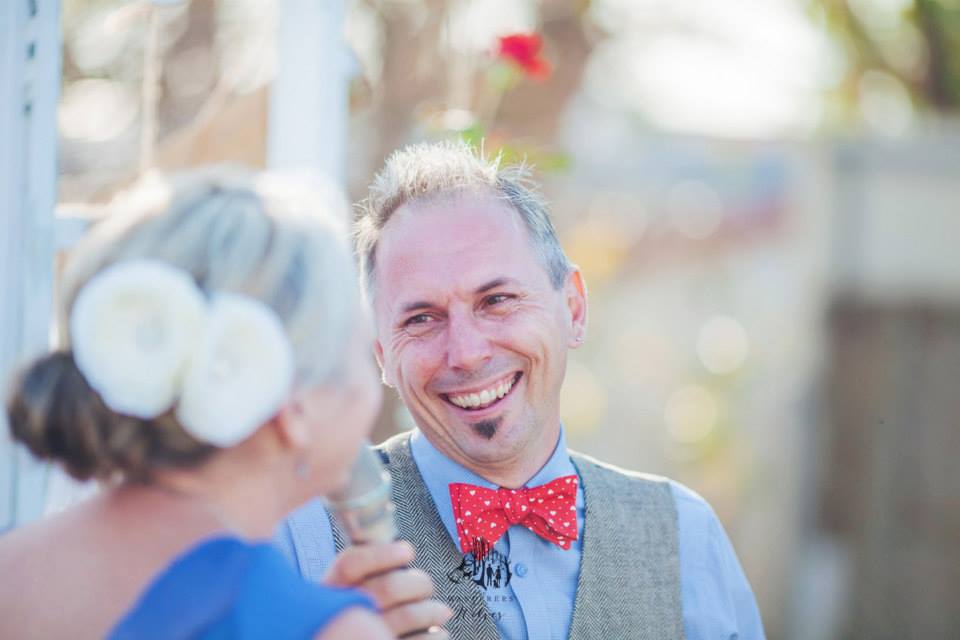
[(629, 584), (418, 522)]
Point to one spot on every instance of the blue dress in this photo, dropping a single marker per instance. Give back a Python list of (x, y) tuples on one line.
[(227, 588)]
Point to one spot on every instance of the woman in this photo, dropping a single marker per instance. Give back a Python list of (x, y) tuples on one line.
[(216, 377)]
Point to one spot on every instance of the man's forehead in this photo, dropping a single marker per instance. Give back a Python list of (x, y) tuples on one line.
[(449, 230), (453, 209), (455, 246)]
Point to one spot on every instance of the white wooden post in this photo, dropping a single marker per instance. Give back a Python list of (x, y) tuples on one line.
[(309, 102), (30, 50), (307, 130)]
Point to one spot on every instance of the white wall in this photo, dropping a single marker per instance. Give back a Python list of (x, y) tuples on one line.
[(29, 89), (898, 219)]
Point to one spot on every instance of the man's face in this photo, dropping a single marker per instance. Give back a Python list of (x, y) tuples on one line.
[(471, 331)]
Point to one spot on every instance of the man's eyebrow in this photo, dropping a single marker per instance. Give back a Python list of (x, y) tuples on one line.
[(416, 306), (425, 304), (493, 284)]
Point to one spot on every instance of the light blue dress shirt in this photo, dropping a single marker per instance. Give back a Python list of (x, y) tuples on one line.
[(533, 596)]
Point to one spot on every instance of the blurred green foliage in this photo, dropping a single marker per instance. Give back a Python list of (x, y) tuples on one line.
[(512, 153), (916, 42)]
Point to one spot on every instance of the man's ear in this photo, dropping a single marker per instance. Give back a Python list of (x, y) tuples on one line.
[(575, 295), (378, 354)]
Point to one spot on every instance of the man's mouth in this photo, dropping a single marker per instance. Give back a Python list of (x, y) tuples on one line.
[(484, 398)]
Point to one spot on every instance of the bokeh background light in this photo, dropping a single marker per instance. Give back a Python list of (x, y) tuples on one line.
[(762, 195), (722, 345)]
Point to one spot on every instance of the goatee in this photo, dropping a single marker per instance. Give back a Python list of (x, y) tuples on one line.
[(486, 428)]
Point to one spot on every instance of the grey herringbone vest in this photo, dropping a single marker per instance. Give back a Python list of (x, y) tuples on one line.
[(629, 584)]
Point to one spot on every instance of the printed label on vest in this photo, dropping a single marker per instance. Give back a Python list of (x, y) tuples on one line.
[(486, 566)]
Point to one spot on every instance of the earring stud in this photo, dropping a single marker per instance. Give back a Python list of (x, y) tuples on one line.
[(302, 470)]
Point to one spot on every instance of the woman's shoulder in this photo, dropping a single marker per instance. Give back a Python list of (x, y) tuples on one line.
[(39, 554), (20, 555), (227, 585)]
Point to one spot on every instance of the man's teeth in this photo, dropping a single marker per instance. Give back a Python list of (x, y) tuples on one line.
[(485, 397)]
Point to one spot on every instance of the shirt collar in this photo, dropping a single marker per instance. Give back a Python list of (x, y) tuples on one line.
[(439, 471)]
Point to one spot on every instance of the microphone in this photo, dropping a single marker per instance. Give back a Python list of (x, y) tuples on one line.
[(363, 506)]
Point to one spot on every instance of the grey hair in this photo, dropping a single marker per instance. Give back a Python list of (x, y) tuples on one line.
[(424, 171), (276, 238)]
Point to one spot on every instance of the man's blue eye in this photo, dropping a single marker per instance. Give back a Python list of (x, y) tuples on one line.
[(420, 318), (497, 298)]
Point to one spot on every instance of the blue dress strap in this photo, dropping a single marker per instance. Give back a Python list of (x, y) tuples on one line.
[(227, 588)]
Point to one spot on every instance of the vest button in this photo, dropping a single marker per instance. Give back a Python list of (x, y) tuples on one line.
[(520, 569)]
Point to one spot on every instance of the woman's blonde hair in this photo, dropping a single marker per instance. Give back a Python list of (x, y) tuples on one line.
[(277, 239)]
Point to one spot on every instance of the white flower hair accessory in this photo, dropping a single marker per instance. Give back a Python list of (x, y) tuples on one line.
[(146, 340), (132, 329), (240, 375)]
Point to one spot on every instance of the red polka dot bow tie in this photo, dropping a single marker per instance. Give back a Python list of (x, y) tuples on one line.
[(549, 510)]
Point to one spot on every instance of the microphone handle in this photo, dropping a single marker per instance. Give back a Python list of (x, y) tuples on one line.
[(367, 518), (363, 507)]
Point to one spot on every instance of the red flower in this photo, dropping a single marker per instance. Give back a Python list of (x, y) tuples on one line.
[(523, 49)]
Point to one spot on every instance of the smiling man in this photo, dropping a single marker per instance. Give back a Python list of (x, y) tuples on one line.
[(476, 307)]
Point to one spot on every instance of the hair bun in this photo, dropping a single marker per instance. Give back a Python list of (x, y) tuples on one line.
[(45, 400), (59, 417)]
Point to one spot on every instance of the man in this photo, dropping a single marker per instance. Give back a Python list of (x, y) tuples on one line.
[(476, 306)]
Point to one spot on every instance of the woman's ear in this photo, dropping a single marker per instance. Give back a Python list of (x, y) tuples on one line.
[(291, 425)]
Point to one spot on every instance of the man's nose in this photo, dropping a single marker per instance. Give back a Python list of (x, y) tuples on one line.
[(468, 347)]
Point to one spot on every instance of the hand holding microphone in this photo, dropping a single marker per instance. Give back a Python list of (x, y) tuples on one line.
[(377, 562)]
